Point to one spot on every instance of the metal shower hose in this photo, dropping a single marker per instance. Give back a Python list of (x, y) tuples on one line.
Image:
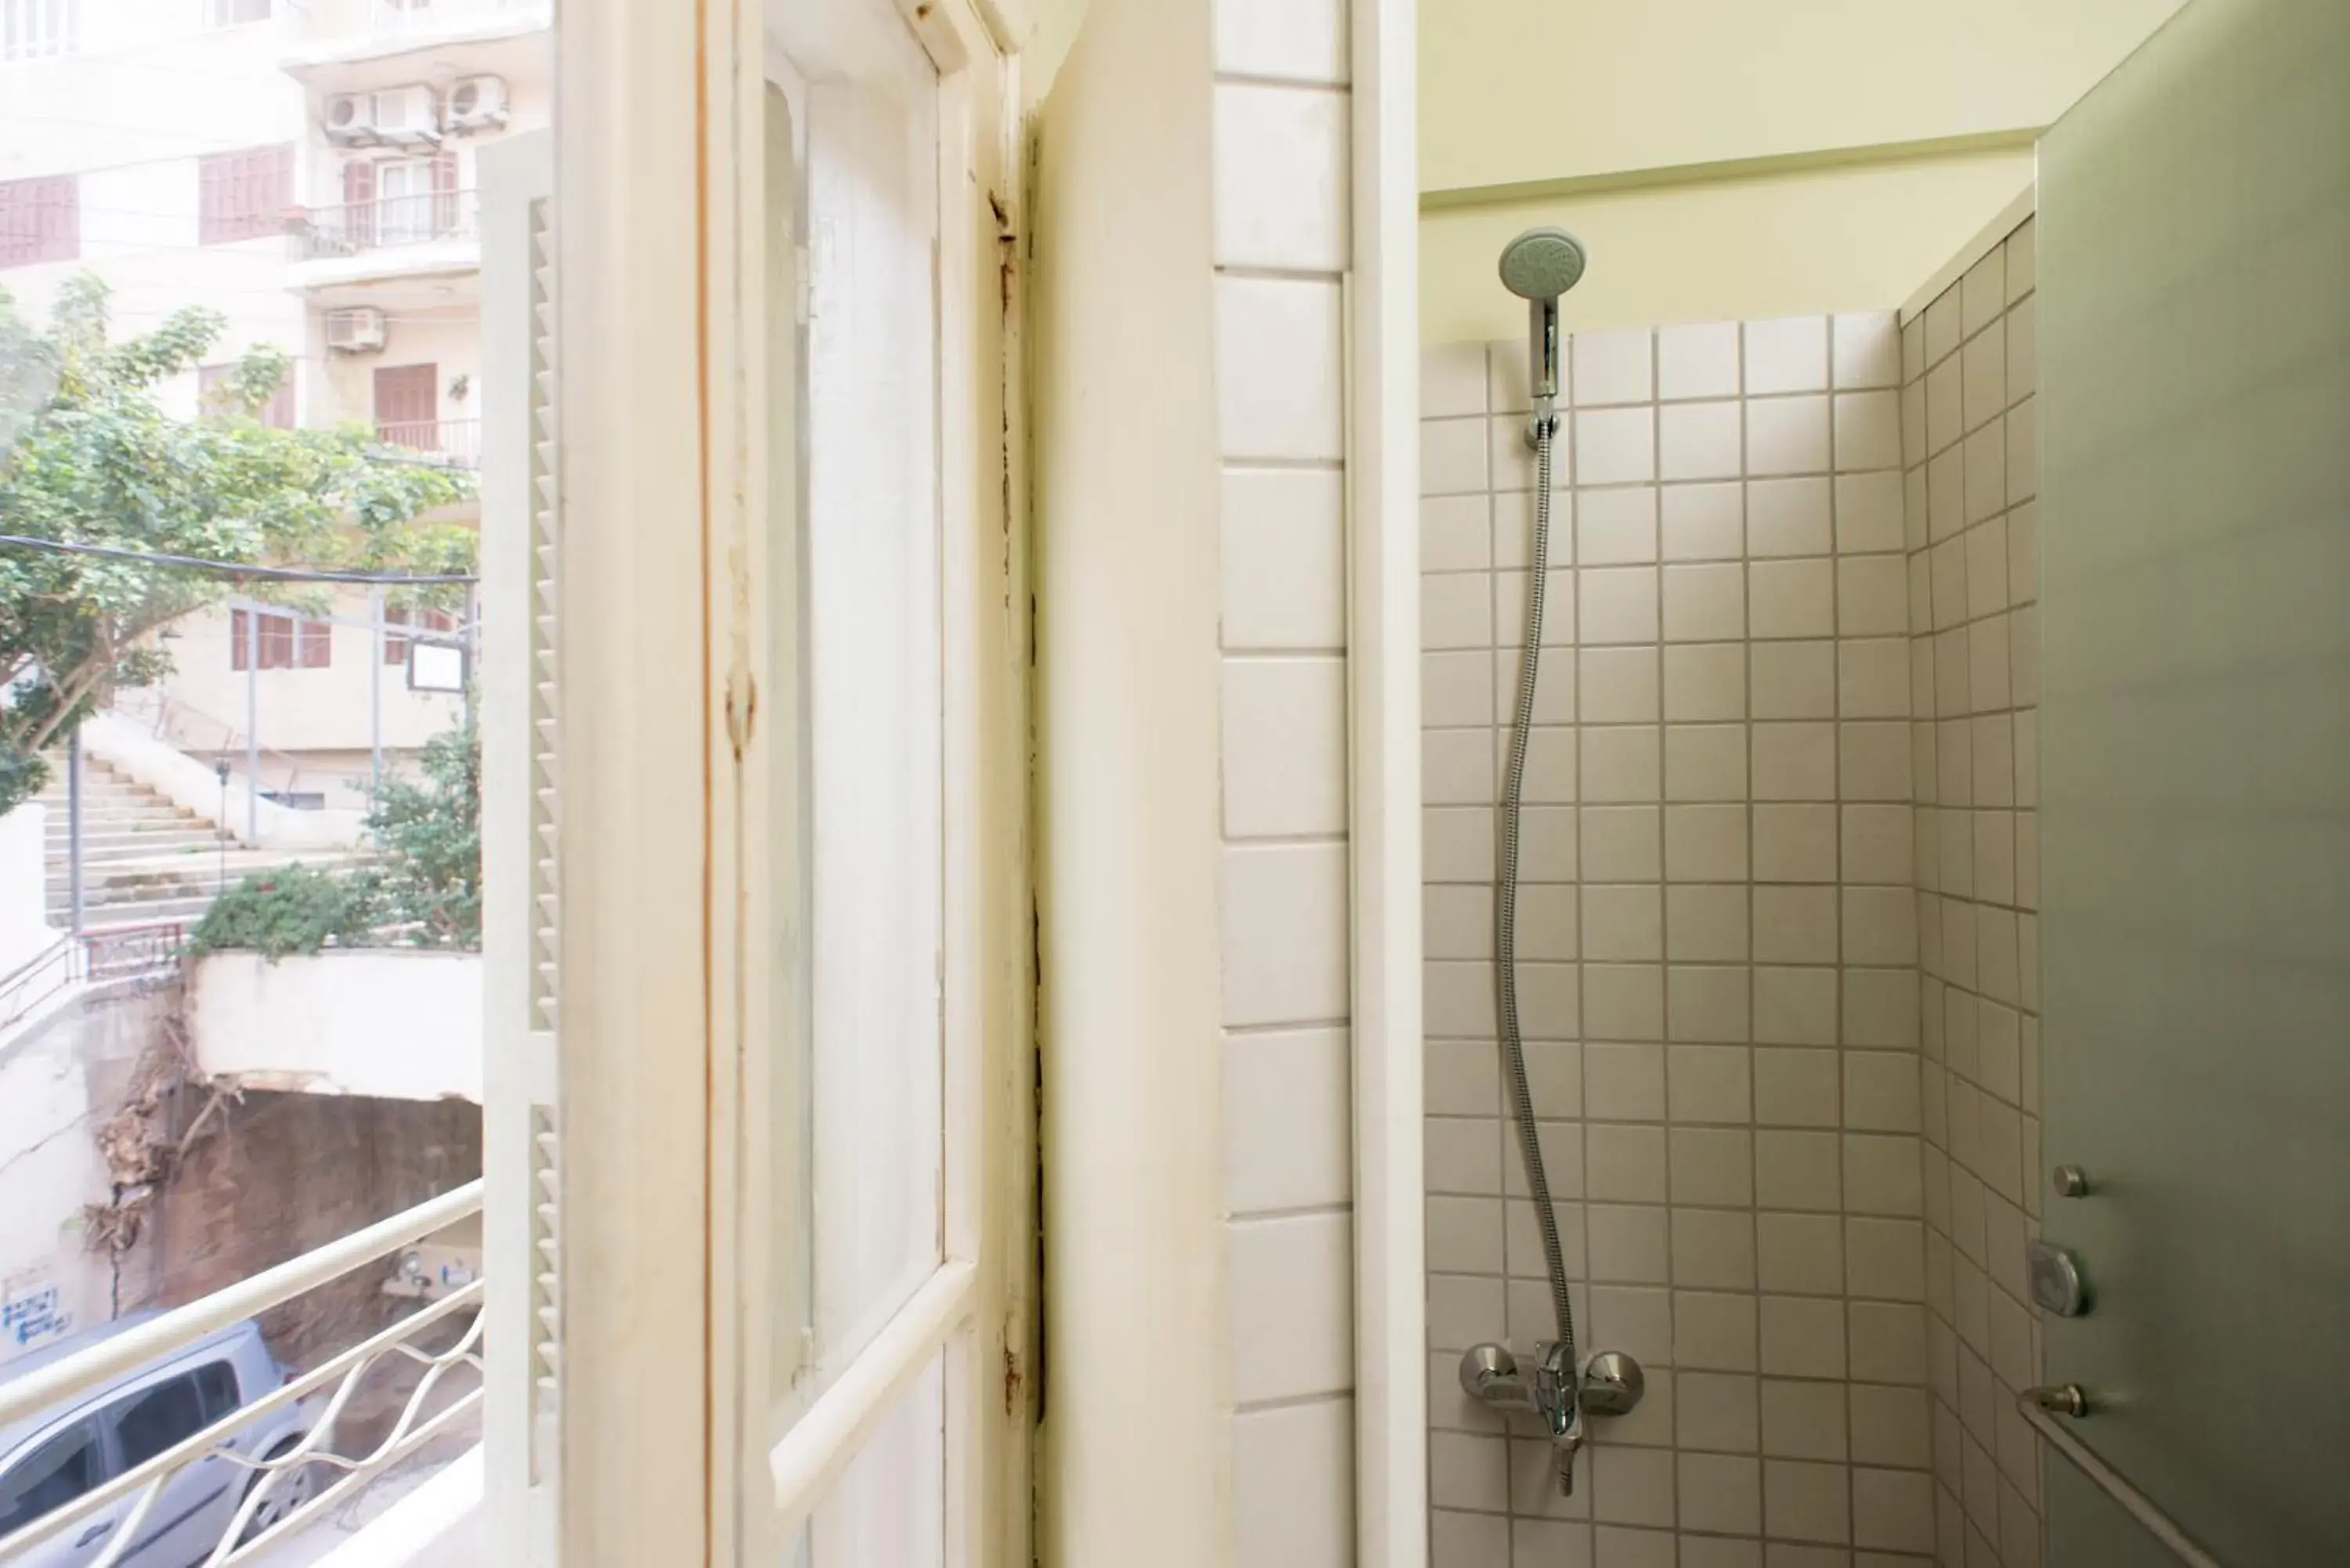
[(1505, 907)]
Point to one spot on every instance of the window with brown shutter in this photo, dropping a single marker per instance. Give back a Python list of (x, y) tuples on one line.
[(212, 388), (242, 195), (40, 220), (408, 406), (395, 644), (283, 642)]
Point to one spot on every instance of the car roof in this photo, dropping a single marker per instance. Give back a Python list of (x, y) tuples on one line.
[(74, 1345)]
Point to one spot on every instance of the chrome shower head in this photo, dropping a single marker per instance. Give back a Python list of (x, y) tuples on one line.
[(1538, 266), (1542, 263)]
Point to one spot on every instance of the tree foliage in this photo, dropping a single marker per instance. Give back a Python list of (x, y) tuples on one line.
[(423, 888), (292, 908), (428, 834), (87, 456)]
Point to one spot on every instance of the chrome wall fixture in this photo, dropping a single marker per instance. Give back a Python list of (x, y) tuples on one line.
[(1539, 267)]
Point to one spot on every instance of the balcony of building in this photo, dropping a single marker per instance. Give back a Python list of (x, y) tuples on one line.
[(343, 44), (389, 239)]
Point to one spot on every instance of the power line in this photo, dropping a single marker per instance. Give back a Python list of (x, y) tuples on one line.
[(232, 569)]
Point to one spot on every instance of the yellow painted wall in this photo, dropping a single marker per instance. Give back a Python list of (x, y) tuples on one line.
[(1889, 131), (1789, 244), (1514, 90), (1054, 28)]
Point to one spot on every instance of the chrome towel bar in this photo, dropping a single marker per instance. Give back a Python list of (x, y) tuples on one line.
[(2041, 1407)]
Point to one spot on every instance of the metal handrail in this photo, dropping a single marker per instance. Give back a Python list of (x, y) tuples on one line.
[(389, 222), (2038, 1406), (135, 1348), (111, 953), (158, 710), (54, 965), (456, 442)]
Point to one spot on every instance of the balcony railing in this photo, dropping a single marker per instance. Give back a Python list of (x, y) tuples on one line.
[(285, 1489), (456, 442), (390, 221), (122, 952), (396, 17)]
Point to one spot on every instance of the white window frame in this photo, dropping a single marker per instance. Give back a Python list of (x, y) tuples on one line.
[(663, 1434)]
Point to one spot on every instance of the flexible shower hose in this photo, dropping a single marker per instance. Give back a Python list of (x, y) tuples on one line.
[(1505, 927)]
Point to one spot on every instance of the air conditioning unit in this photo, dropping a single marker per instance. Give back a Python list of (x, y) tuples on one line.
[(350, 118), (476, 103), (359, 330), (406, 114), (389, 117)]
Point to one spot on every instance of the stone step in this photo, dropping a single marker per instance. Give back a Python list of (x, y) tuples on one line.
[(184, 911), (163, 835), (98, 876), (128, 811)]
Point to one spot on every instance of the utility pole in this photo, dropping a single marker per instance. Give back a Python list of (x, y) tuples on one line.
[(375, 693), (73, 829), (253, 726)]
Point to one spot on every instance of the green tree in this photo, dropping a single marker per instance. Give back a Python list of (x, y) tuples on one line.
[(422, 889), (89, 457), (428, 834)]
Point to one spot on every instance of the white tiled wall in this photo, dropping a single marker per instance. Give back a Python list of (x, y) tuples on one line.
[(1282, 234), (1719, 959), (1969, 429)]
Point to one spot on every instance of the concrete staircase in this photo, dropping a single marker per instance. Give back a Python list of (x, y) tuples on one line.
[(145, 861)]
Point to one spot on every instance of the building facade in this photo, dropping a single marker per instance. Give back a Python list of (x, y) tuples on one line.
[(308, 173)]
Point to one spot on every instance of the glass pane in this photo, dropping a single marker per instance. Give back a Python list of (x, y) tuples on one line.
[(148, 1423), (2194, 341), (50, 1477), (875, 1513), (859, 197), (787, 827)]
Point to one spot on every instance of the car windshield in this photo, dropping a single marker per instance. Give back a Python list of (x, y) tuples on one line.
[(49, 1478)]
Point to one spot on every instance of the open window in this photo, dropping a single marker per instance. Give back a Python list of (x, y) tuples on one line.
[(755, 755)]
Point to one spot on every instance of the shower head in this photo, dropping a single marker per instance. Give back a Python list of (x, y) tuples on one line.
[(1542, 263), (1538, 266)]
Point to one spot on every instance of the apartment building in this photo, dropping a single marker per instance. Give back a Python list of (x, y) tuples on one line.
[(307, 170)]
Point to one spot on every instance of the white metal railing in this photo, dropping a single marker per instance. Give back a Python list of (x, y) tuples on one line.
[(282, 1489), (388, 223), (39, 29), (456, 442), (118, 952), (429, 15)]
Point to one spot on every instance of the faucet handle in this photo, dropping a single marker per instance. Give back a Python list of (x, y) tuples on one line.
[(1558, 1393)]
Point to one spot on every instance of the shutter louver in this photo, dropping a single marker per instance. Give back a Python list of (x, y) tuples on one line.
[(545, 786), (521, 822)]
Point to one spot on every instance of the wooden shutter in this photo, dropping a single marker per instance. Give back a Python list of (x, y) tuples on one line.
[(445, 193), (408, 406), (212, 398), (40, 220), (278, 642), (358, 203), (240, 194), (395, 644), (317, 644)]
